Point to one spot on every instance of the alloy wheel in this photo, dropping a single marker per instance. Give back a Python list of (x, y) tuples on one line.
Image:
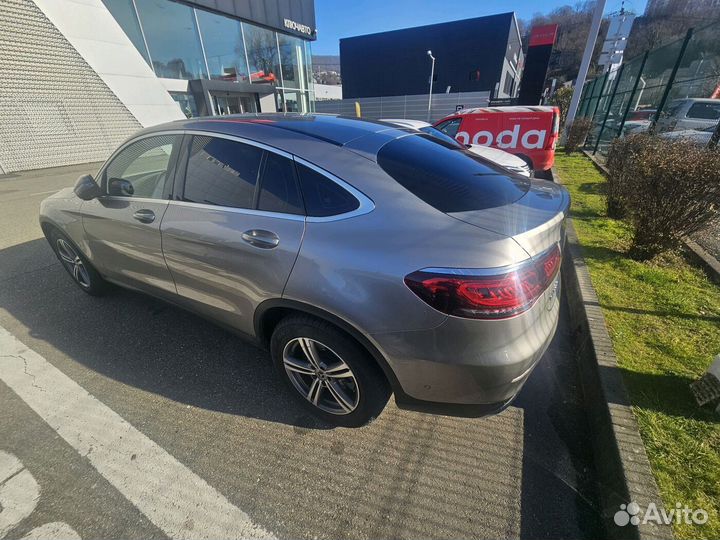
[(321, 376), (73, 263)]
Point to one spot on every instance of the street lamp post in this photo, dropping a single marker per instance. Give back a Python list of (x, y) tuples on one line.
[(432, 75)]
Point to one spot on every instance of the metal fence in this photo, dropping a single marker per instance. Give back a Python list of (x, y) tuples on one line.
[(642, 90), (413, 107)]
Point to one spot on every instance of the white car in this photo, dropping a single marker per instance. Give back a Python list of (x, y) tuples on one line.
[(689, 113), (500, 157), (701, 137)]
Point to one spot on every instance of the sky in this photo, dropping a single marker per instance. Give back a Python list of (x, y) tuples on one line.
[(346, 18)]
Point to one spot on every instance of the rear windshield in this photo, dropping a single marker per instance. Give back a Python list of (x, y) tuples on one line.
[(447, 177)]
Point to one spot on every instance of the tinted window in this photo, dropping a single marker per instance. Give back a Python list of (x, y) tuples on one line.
[(145, 164), (450, 180), (705, 111), (450, 127), (440, 135), (278, 188), (674, 107), (322, 196), (222, 172)]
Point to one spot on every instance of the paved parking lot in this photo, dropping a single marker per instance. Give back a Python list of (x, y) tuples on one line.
[(202, 416)]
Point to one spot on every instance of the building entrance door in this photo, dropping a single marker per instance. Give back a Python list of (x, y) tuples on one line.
[(233, 103)]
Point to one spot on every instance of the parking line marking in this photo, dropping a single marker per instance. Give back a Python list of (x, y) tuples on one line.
[(19, 493), (175, 499)]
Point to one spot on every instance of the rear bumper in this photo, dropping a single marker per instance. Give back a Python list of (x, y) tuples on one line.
[(470, 367), (543, 161)]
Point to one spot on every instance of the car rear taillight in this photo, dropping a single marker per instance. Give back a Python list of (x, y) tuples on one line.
[(484, 294)]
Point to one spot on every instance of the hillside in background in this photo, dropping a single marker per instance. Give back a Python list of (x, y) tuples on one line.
[(664, 21), (574, 25), (326, 68)]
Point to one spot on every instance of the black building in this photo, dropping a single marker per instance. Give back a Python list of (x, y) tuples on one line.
[(472, 55)]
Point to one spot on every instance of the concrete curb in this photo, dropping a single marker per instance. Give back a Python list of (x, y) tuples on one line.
[(620, 460), (708, 262)]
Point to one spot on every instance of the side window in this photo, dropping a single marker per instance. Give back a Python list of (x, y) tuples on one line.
[(278, 186), (322, 196), (450, 127), (672, 108), (222, 172), (705, 111), (145, 165)]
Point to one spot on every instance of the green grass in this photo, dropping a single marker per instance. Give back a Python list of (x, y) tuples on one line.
[(664, 320)]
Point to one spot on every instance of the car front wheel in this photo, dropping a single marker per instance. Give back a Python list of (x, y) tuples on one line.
[(75, 263), (328, 372)]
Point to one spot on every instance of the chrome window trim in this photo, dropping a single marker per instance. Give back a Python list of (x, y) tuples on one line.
[(134, 199), (366, 204), (496, 271), (233, 210), (239, 139)]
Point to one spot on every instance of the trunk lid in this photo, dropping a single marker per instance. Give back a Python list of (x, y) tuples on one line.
[(535, 220)]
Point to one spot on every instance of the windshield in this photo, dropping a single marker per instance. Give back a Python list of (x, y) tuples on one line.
[(434, 132)]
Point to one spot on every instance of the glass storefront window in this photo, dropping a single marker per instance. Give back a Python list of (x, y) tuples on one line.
[(173, 39), (290, 100), (262, 54), (224, 48), (182, 42), (292, 61), (186, 102), (123, 12)]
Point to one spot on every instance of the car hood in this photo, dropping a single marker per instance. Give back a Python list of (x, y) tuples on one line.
[(692, 134), (535, 220), (501, 157)]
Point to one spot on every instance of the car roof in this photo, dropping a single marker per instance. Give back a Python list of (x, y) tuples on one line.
[(696, 100), (504, 109), (404, 122), (333, 129)]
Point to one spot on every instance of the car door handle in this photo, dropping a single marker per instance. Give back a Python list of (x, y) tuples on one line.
[(261, 239), (144, 216)]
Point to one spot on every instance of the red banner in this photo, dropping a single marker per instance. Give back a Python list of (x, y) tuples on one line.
[(543, 35)]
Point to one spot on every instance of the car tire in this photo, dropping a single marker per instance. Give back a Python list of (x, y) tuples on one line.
[(349, 396), (527, 160), (76, 264)]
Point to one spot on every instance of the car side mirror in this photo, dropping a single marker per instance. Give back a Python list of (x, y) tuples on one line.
[(120, 187), (86, 188)]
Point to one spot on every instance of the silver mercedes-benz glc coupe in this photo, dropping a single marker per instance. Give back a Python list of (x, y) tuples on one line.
[(367, 258)]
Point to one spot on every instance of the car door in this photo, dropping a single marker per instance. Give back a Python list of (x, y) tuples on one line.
[(701, 114), (233, 232), (123, 226)]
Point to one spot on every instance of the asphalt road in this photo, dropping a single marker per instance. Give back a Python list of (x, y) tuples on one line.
[(214, 405)]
